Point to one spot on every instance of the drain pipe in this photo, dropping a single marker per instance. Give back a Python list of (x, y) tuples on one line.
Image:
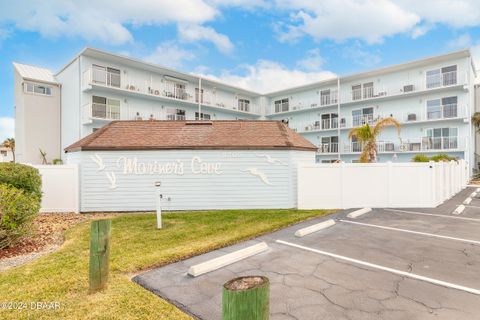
[(158, 202), (339, 118)]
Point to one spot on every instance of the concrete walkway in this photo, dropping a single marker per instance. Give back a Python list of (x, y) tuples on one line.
[(386, 264)]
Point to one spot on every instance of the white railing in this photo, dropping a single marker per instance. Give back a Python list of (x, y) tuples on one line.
[(412, 145), (441, 80), (329, 99), (328, 147), (100, 111), (168, 89), (448, 111), (175, 117)]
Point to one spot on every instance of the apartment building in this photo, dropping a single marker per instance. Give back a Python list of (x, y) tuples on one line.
[(433, 99)]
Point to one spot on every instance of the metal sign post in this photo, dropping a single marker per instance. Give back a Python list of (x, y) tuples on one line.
[(158, 201)]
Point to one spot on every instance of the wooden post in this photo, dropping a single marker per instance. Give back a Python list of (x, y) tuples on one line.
[(246, 298), (100, 231)]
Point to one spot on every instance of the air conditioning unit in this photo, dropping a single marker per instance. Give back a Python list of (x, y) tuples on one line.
[(408, 88), (411, 117)]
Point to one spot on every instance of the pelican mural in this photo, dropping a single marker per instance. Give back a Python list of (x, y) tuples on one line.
[(272, 160), (99, 161), (258, 173), (112, 178)]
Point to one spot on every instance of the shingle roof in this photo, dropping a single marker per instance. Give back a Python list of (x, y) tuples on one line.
[(220, 134), (34, 73)]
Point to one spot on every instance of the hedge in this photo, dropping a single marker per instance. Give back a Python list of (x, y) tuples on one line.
[(22, 177), (17, 210)]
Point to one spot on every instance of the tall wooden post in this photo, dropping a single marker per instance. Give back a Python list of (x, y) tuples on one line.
[(246, 298), (100, 231)]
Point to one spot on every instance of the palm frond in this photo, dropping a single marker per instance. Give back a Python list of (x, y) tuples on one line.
[(386, 122)]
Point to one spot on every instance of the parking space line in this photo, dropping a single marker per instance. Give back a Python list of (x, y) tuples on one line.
[(411, 231), (470, 206), (383, 268), (433, 215)]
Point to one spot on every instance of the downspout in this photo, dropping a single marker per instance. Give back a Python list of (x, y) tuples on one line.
[(339, 118), (200, 98)]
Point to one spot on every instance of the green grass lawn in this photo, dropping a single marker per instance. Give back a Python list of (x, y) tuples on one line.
[(136, 245)]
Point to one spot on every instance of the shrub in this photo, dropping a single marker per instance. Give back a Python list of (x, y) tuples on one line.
[(17, 210), (22, 177), (420, 158), (442, 157)]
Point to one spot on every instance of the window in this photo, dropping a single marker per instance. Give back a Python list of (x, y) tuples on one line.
[(198, 93), (329, 144), (325, 97), (202, 116), (244, 105), (175, 114), (37, 89), (356, 145), (357, 92), (368, 90), (361, 117), (441, 138), (445, 76), (442, 108), (3, 153), (105, 108), (106, 76), (329, 121), (281, 105)]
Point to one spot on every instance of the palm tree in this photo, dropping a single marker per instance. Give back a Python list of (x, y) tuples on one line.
[(10, 144), (367, 135), (476, 120)]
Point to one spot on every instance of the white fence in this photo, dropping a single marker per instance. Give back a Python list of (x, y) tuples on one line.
[(60, 188), (394, 185)]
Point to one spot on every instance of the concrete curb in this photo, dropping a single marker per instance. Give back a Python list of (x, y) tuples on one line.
[(478, 190), (226, 259), (473, 195), (358, 212), (459, 209), (467, 201), (314, 228)]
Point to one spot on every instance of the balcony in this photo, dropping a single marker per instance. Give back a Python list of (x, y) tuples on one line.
[(425, 144), (444, 112), (328, 148), (165, 89), (98, 111)]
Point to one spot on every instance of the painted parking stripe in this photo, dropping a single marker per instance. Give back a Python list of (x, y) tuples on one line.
[(383, 268), (432, 215), (411, 231)]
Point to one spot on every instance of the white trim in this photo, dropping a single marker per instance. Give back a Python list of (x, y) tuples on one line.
[(383, 268)]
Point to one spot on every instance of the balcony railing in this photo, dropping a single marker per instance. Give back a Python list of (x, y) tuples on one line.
[(168, 89), (101, 111), (412, 145), (328, 147), (441, 80), (176, 117)]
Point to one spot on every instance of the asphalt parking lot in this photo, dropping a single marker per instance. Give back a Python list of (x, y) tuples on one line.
[(386, 264)]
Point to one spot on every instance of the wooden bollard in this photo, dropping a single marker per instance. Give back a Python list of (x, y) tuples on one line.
[(246, 298), (100, 231)]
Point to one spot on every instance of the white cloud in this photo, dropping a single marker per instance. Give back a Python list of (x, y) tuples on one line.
[(267, 76), (169, 54), (462, 41), (360, 56), (312, 62), (193, 33), (104, 20), (244, 4), (373, 20), (369, 20), (7, 128)]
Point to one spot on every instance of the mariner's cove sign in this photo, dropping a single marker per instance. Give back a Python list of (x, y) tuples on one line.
[(196, 166)]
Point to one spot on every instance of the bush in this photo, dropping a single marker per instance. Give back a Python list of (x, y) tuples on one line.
[(420, 158), (22, 177), (442, 157), (17, 210)]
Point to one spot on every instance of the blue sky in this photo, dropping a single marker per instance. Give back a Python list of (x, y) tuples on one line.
[(258, 44)]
